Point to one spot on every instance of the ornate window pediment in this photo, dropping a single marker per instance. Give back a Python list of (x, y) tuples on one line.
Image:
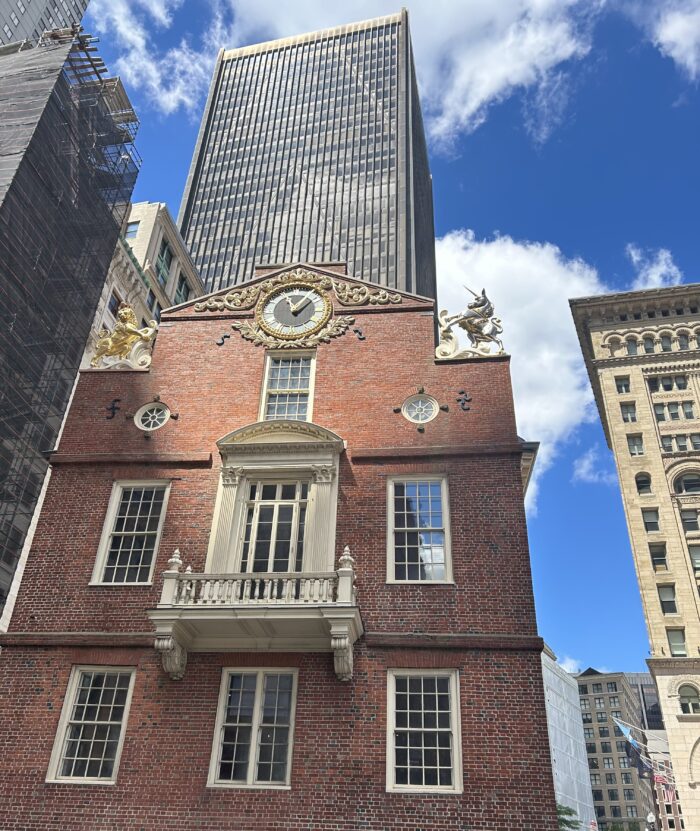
[(276, 451)]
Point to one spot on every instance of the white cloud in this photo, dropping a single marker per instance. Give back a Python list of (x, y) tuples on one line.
[(673, 26), (530, 284), (654, 269), (470, 54), (568, 664), (592, 470), (171, 79)]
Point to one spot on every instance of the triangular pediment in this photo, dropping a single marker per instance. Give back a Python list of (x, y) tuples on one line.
[(348, 291), (279, 433)]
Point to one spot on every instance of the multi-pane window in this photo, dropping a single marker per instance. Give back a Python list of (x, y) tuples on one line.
[(648, 345), (632, 346), (623, 761), (621, 747), (597, 795), (603, 732), (667, 596), (615, 811), (610, 778), (612, 686), (183, 291), (113, 303), (650, 518), (614, 700), (635, 445), (665, 343), (667, 444), (587, 718), (601, 718), (687, 483), (423, 732), (253, 739), (288, 388), (583, 689), (131, 533), (632, 809), (273, 540), (418, 530), (689, 519), (605, 747), (608, 762), (596, 688), (588, 733), (643, 482), (90, 734), (595, 779), (613, 794), (676, 642), (660, 412), (600, 703), (688, 409), (593, 763), (591, 747), (626, 778), (163, 262), (132, 228), (622, 383), (585, 704), (694, 551), (690, 699), (629, 412)]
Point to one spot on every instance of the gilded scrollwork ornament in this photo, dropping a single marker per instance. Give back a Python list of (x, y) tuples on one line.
[(351, 294), (335, 327)]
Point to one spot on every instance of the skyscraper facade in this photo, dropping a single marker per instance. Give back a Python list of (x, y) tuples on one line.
[(312, 148), (642, 352), (28, 19), (67, 169)]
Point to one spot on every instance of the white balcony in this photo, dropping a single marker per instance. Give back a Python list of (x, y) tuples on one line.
[(275, 612)]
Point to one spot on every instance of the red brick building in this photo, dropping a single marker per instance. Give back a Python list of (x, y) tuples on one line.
[(264, 676)]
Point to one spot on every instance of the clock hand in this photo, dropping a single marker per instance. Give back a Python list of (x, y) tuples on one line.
[(297, 307)]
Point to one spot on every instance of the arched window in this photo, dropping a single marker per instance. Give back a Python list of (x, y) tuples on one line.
[(643, 481), (631, 347), (648, 345), (665, 343), (683, 341), (690, 700), (687, 483)]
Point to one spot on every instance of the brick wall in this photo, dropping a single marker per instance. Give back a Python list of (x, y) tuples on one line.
[(338, 770)]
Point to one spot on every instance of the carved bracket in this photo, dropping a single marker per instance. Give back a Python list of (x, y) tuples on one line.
[(342, 656), (173, 656)]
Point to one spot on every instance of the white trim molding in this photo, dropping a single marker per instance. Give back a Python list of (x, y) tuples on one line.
[(260, 673), (108, 530), (390, 529), (61, 739), (454, 730)]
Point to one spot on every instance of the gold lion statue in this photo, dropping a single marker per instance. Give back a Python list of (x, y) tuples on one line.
[(120, 341)]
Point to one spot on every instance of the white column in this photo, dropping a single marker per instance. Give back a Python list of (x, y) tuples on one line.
[(221, 543), (319, 545)]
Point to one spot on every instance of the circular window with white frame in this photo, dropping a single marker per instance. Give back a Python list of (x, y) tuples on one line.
[(152, 416), (420, 409)]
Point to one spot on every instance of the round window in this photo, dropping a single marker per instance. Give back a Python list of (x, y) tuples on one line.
[(152, 416), (420, 408)]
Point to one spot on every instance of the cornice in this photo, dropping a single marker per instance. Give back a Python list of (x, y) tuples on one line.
[(182, 459), (457, 640)]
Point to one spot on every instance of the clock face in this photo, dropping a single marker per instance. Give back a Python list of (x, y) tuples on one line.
[(293, 311)]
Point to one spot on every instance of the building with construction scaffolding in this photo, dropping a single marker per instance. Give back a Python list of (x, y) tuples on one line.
[(67, 169)]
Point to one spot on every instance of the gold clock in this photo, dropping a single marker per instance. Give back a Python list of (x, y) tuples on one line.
[(293, 311)]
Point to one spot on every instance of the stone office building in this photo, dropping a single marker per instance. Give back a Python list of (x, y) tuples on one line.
[(642, 352), (312, 148), (270, 590)]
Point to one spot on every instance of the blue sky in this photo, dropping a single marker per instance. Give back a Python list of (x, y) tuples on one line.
[(564, 149)]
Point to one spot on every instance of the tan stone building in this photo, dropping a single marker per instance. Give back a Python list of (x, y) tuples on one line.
[(151, 270), (642, 351)]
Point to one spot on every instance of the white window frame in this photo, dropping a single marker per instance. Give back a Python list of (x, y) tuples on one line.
[(445, 495), (287, 353), (226, 672), (107, 528), (61, 732), (455, 715)]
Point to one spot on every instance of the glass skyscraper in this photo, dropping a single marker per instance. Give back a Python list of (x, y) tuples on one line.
[(312, 149), (27, 19)]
